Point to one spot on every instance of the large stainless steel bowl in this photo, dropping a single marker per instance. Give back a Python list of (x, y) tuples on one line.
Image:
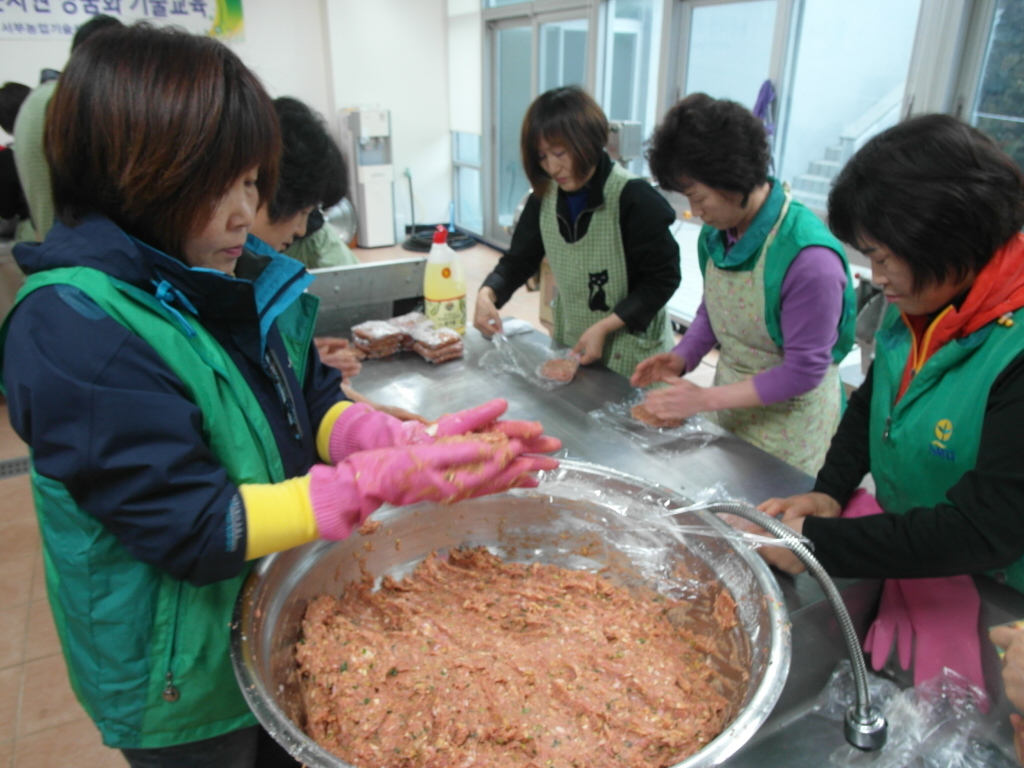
[(617, 521)]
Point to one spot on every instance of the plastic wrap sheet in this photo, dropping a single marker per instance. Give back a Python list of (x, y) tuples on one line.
[(695, 432), (653, 522), (646, 529), (523, 358), (933, 725)]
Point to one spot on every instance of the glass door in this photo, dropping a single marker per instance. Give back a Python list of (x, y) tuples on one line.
[(630, 67), (528, 55), (513, 67)]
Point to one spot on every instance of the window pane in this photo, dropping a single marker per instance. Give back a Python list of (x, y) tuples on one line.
[(469, 213), (563, 54), (849, 78), (999, 109), (467, 148), (514, 49), (631, 65), (730, 49)]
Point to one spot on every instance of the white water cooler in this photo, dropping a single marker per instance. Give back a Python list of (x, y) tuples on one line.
[(366, 144)]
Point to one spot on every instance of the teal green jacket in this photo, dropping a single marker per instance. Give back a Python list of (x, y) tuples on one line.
[(922, 445), (136, 486)]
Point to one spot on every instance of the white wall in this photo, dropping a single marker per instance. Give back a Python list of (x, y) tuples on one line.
[(465, 65), (392, 54), (286, 49), (334, 54), (285, 44)]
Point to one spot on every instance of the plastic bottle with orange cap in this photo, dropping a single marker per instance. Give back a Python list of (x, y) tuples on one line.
[(444, 285)]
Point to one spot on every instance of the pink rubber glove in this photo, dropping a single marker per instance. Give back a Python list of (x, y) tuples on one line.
[(362, 428), (891, 623), (935, 621), (343, 496), (944, 614)]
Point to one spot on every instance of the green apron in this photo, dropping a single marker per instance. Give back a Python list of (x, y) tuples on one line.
[(592, 280), (797, 430)]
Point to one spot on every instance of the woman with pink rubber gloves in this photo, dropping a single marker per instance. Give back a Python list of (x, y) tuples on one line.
[(159, 364), (937, 207)]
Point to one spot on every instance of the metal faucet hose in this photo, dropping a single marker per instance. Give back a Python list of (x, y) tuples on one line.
[(864, 726)]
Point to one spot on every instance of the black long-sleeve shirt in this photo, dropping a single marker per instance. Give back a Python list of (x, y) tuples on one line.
[(981, 528), (652, 253)]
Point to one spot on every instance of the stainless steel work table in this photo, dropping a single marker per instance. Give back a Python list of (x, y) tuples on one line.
[(792, 736), (408, 381)]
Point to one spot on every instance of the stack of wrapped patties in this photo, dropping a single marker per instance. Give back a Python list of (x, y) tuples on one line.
[(411, 331), (378, 338), (438, 345)]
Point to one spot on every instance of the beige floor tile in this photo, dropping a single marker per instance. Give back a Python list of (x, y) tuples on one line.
[(10, 690), (18, 531), (13, 620), (74, 745), (16, 578), (41, 636), (11, 446), (46, 700), (38, 578), (6, 754)]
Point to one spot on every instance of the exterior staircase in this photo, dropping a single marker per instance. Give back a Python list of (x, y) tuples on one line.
[(812, 188)]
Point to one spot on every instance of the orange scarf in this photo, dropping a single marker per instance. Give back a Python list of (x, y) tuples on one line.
[(997, 290)]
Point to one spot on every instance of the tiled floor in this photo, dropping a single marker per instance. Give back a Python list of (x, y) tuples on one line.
[(41, 724)]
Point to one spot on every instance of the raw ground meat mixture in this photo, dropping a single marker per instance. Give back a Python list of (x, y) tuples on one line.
[(472, 661), (640, 413), (559, 369)]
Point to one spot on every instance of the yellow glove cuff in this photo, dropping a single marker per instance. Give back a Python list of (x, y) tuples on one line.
[(323, 434), (278, 516)]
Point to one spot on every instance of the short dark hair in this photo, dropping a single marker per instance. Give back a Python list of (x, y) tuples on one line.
[(941, 195), (312, 170), (95, 24), (151, 127), (11, 97), (716, 142), (568, 117)]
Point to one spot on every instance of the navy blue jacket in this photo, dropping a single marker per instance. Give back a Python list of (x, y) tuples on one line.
[(117, 429)]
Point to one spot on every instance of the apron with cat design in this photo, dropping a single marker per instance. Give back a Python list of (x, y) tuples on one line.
[(592, 280)]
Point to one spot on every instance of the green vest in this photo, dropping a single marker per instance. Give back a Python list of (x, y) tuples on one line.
[(800, 228), (922, 445), (592, 279), (148, 655)]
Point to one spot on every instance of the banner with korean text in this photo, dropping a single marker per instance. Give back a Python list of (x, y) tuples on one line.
[(60, 19)]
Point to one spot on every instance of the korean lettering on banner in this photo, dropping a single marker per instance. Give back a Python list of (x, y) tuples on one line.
[(49, 19)]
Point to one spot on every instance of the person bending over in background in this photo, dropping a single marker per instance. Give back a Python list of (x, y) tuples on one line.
[(158, 364), (605, 233), (778, 296), (312, 178)]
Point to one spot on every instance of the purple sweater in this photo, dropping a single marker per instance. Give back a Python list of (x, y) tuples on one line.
[(812, 300)]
